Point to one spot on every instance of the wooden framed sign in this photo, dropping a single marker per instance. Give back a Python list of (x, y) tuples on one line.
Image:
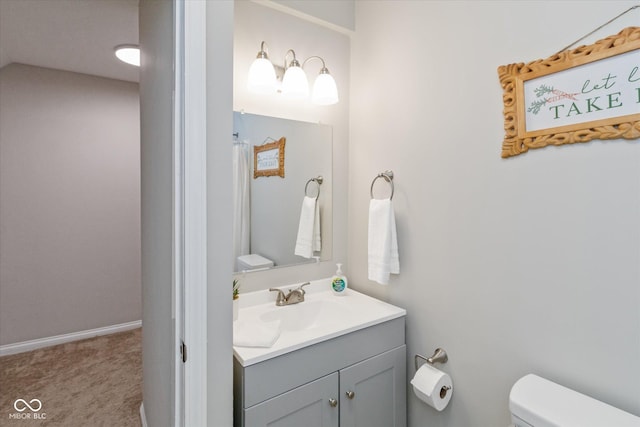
[(268, 159), (592, 92)]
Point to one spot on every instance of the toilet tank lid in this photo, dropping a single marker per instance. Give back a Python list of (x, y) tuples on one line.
[(543, 403), (255, 260)]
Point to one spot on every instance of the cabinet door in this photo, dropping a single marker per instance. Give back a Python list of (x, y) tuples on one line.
[(373, 392), (306, 406)]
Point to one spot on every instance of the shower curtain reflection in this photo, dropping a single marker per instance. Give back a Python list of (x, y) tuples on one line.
[(241, 200)]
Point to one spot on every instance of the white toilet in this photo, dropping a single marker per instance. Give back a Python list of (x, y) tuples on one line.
[(253, 262), (536, 402)]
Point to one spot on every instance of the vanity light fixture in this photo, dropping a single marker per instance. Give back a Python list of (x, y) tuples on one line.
[(325, 91), (294, 82), (262, 75), (263, 79), (129, 53)]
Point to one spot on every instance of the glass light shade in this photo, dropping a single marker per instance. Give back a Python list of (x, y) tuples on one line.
[(325, 91), (294, 83), (262, 76), (129, 54)]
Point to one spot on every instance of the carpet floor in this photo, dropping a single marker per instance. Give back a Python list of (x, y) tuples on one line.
[(93, 382)]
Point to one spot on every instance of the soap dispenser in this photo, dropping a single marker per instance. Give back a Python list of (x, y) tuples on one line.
[(339, 282)]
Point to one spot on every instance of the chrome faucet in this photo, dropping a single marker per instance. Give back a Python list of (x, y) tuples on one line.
[(293, 297)]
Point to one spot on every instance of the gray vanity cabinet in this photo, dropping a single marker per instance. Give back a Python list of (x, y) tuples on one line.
[(355, 380), (305, 406), (373, 392)]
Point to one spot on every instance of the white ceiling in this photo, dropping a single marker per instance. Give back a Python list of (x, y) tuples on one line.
[(72, 35)]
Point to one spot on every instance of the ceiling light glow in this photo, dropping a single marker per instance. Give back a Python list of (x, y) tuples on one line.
[(129, 54)]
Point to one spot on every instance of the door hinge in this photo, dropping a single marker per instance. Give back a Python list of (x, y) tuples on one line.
[(183, 351)]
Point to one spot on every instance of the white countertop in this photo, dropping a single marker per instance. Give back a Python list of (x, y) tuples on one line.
[(320, 317)]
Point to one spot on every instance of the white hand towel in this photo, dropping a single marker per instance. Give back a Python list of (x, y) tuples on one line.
[(255, 334), (383, 241), (317, 242), (308, 239)]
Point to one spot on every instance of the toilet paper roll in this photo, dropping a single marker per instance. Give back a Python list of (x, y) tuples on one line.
[(432, 386)]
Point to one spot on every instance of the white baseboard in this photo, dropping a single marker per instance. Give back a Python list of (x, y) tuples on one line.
[(143, 417), (23, 346)]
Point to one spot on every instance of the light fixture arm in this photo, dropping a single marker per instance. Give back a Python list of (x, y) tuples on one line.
[(324, 67), (294, 62), (262, 53)]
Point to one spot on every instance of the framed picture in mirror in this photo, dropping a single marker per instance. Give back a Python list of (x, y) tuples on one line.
[(268, 159)]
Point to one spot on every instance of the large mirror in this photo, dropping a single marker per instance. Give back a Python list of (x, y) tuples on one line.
[(283, 218)]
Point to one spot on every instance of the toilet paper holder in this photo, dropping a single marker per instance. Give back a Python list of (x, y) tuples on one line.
[(438, 356)]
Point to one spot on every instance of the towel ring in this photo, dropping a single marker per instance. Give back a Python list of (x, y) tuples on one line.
[(318, 180), (388, 176)]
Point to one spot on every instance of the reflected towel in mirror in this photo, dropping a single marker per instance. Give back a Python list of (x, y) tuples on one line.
[(308, 240), (383, 241)]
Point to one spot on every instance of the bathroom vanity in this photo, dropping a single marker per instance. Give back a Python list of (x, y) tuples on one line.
[(339, 361)]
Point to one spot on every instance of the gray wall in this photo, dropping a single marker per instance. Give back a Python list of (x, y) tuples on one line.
[(69, 203), (156, 84), (528, 264)]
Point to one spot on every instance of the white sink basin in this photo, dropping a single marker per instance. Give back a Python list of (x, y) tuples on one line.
[(307, 315), (320, 317)]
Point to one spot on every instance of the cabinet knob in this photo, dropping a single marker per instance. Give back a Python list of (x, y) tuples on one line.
[(333, 403), (350, 394)]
